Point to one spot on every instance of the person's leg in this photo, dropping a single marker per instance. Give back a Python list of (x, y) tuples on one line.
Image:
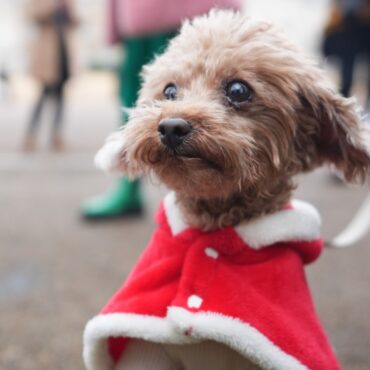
[(56, 139), (347, 69), (34, 123), (367, 104), (124, 198), (142, 355)]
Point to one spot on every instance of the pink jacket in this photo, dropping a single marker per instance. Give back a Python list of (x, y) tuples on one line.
[(141, 17), (243, 286)]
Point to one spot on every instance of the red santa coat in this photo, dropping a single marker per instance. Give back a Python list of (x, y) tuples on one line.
[(244, 287)]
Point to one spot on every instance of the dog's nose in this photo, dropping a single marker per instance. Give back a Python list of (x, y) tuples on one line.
[(173, 131)]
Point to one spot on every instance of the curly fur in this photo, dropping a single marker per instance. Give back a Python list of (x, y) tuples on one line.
[(239, 163)]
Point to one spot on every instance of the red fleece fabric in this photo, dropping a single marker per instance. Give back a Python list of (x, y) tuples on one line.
[(265, 288)]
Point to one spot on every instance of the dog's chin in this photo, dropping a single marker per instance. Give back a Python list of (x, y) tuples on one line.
[(198, 164), (194, 176)]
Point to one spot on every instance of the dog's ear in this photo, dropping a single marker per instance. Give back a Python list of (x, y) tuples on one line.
[(112, 157), (339, 136)]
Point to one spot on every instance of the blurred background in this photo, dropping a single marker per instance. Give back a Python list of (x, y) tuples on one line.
[(64, 251)]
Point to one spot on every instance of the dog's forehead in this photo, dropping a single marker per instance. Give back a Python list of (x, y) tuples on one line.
[(215, 42), (217, 46)]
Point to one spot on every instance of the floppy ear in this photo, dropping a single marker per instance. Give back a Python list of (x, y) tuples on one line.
[(339, 136), (112, 157)]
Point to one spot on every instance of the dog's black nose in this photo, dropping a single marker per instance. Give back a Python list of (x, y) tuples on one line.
[(173, 131)]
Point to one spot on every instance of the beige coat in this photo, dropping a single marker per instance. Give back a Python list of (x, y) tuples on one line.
[(45, 51)]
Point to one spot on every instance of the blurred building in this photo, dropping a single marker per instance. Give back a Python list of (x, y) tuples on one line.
[(301, 19)]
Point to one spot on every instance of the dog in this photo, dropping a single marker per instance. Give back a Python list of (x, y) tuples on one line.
[(226, 118)]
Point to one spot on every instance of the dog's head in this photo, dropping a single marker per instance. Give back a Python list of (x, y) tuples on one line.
[(230, 106)]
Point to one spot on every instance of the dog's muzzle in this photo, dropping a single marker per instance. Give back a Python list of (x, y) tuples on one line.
[(173, 131)]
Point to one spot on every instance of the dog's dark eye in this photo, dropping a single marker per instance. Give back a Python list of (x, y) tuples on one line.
[(238, 92), (170, 91)]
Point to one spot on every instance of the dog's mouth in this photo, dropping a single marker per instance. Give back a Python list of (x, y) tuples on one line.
[(193, 159)]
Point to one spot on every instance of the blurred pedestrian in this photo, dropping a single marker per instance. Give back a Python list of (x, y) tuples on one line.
[(52, 61), (347, 37), (143, 28)]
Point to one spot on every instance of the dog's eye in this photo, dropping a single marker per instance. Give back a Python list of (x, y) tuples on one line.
[(238, 92), (170, 91)]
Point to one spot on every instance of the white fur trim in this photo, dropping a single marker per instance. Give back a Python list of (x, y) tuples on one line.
[(302, 223), (239, 336), (173, 213), (101, 327), (107, 158)]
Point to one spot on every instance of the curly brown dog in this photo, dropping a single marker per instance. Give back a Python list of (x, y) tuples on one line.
[(226, 118)]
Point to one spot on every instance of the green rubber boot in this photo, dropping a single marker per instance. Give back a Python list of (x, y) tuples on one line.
[(123, 200)]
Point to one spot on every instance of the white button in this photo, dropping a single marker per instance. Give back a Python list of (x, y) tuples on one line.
[(194, 301), (210, 252)]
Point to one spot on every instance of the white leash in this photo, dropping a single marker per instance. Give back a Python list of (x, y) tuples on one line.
[(356, 229)]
